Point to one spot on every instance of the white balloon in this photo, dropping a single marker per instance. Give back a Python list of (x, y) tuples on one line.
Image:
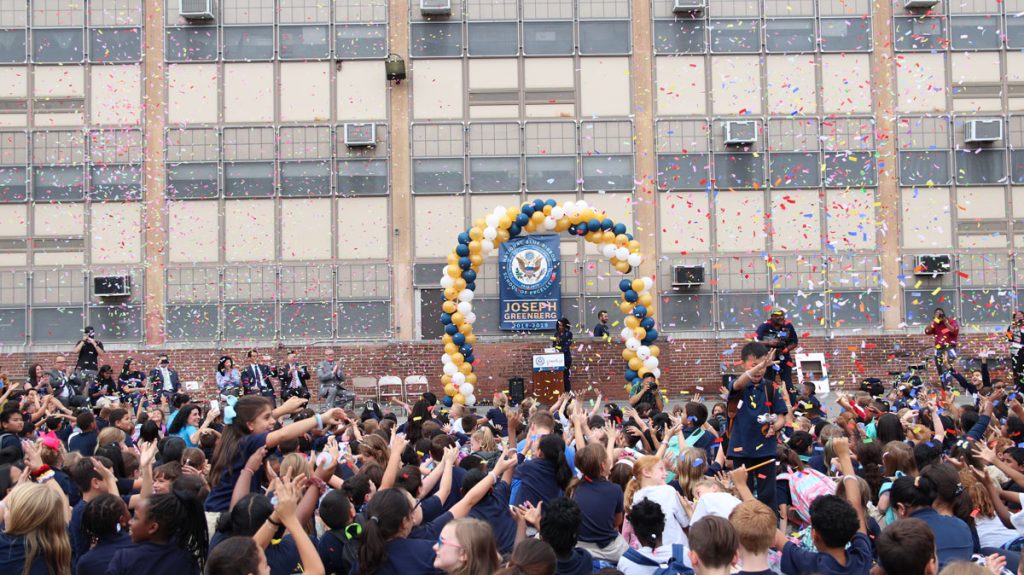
[(634, 259), (470, 399), (458, 378), (633, 344), (464, 307), (486, 246), (446, 359), (492, 220), (657, 372), (557, 213), (447, 281), (626, 333), (466, 295), (550, 222), (581, 205), (651, 362), (648, 283), (470, 318), (466, 389), (500, 211), (570, 209), (643, 352), (450, 369), (608, 250), (491, 233), (622, 253)]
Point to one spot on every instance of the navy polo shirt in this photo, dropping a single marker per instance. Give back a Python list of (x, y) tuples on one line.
[(283, 556), (598, 512), (953, 540), (405, 557), (536, 482), (454, 496), (96, 560), (153, 559), (859, 559), (220, 496), (493, 509), (755, 399), (12, 556)]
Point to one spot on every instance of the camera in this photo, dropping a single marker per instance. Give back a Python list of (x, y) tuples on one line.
[(767, 418)]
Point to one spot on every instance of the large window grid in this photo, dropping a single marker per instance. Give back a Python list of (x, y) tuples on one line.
[(1015, 125), (981, 292), (849, 146), (961, 26), (794, 153), (100, 31), (924, 150), (979, 164)]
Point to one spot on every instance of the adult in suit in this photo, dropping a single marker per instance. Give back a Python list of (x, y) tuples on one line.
[(63, 381), (257, 378), (164, 380), (293, 378)]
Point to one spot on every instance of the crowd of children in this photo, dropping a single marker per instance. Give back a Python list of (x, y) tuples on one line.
[(912, 483)]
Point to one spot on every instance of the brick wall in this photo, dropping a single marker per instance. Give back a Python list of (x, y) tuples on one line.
[(692, 365)]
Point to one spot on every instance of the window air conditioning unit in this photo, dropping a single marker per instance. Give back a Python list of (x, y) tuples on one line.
[(919, 4), (933, 265), (983, 131), (687, 6), (360, 135), (436, 7), (196, 9), (687, 276), (112, 286), (740, 133)]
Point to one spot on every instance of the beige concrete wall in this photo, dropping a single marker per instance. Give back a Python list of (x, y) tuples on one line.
[(740, 221), (980, 203), (305, 91), (51, 220), (681, 85), (15, 220), (925, 218), (249, 92), (362, 91), (13, 84), (921, 83), (438, 221), (194, 231), (437, 89), (493, 74), (851, 221), (791, 85), (604, 87), (249, 231), (796, 220), (846, 83), (736, 84), (115, 233), (306, 229), (192, 93), (361, 237), (116, 94), (685, 225)]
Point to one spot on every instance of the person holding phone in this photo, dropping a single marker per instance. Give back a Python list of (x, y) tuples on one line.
[(89, 350), (1015, 335), (946, 332), (164, 380)]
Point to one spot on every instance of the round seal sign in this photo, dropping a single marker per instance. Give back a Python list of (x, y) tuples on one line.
[(530, 267)]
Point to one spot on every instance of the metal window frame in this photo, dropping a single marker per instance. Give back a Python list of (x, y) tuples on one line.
[(92, 60), (629, 36), (28, 45), (1000, 31), (32, 46), (870, 35), (815, 34), (280, 29), (519, 39), (949, 151), (705, 34), (222, 44), (575, 37)]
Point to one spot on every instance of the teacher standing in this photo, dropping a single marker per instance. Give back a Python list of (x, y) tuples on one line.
[(563, 343)]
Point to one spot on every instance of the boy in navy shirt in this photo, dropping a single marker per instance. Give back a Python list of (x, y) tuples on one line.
[(760, 411), (907, 547)]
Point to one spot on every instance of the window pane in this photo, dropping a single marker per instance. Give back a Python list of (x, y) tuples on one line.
[(921, 304), (924, 34), (845, 34), (1015, 30), (738, 170), (118, 322), (115, 182), (185, 181), (924, 168), (1016, 163), (12, 326), (487, 316), (850, 169), (58, 183), (683, 171), (493, 39), (306, 320), (248, 42), (193, 44), (975, 32), (731, 36), (686, 311), (547, 38), (436, 39), (804, 309), (551, 174), (58, 324), (306, 178), (789, 34), (13, 184), (743, 310), (854, 309), (795, 170), (12, 46), (361, 41), (304, 42), (249, 321), (54, 45), (604, 37), (363, 177), (494, 175), (606, 173), (430, 302), (679, 37), (248, 179), (366, 319), (436, 176), (986, 306), (115, 45), (192, 322), (980, 166)]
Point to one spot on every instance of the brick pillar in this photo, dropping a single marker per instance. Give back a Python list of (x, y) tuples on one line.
[(645, 209), (402, 300), (155, 220)]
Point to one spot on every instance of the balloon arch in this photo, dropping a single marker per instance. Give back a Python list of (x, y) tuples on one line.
[(484, 237)]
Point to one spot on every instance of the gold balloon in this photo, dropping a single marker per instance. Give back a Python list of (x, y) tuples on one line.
[(625, 307), (450, 389), (457, 358), (628, 354), (450, 348), (446, 379), (537, 218), (638, 285), (476, 259), (480, 223), (453, 259), (446, 339), (636, 363), (466, 368), (632, 322), (655, 350), (562, 225), (646, 300), (634, 246), (460, 284), (465, 328), (470, 338), (451, 293), (587, 214), (592, 237), (547, 210), (449, 307), (458, 318), (505, 222), (643, 371), (639, 333), (453, 270), (471, 378), (621, 240), (607, 237), (475, 247), (476, 233), (457, 398), (503, 236), (621, 266)]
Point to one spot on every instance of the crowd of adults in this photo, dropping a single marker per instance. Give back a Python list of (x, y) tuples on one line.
[(115, 474)]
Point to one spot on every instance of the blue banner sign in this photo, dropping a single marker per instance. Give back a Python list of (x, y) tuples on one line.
[(529, 282)]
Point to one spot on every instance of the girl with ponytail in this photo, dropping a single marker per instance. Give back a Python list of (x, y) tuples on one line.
[(544, 477), (648, 482), (913, 497), (169, 532), (385, 548)]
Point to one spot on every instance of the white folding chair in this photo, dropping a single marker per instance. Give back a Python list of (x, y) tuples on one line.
[(390, 387), (415, 386), (365, 388)]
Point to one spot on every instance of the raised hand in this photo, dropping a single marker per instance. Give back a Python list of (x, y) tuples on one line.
[(147, 453)]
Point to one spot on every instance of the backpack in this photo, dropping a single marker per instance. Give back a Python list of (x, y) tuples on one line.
[(806, 486), (672, 567)]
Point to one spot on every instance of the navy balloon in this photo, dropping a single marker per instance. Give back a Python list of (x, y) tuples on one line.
[(572, 229), (538, 205), (581, 230), (465, 263), (514, 230), (452, 329), (607, 224), (446, 318), (471, 286), (594, 225), (625, 285), (462, 250), (469, 358), (630, 296), (527, 210), (469, 276), (630, 375), (619, 229), (522, 219), (447, 401), (652, 334), (466, 349), (458, 338), (630, 236), (464, 238), (550, 202), (647, 323), (640, 311)]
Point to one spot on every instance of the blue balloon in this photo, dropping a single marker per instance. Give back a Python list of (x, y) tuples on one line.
[(447, 401), (527, 210), (538, 205), (464, 238), (514, 230), (466, 349), (550, 202), (630, 375), (594, 225), (452, 329), (458, 338), (469, 276), (446, 318), (630, 236), (630, 296), (522, 219), (581, 230), (625, 285), (640, 311), (469, 358), (462, 250), (619, 229), (465, 263), (647, 323), (572, 229), (652, 334), (471, 286), (607, 224)]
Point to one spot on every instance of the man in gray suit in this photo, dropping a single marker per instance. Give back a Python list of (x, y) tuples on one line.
[(63, 380), (332, 380)]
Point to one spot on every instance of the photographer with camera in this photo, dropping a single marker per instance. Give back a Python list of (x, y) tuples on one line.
[(646, 391), (1015, 335), (779, 335), (89, 350), (947, 333)]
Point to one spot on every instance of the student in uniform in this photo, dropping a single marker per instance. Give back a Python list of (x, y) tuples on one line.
[(105, 519), (35, 520), (169, 536), (466, 547), (385, 547)]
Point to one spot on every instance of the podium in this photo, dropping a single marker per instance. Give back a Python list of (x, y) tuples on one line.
[(548, 378)]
